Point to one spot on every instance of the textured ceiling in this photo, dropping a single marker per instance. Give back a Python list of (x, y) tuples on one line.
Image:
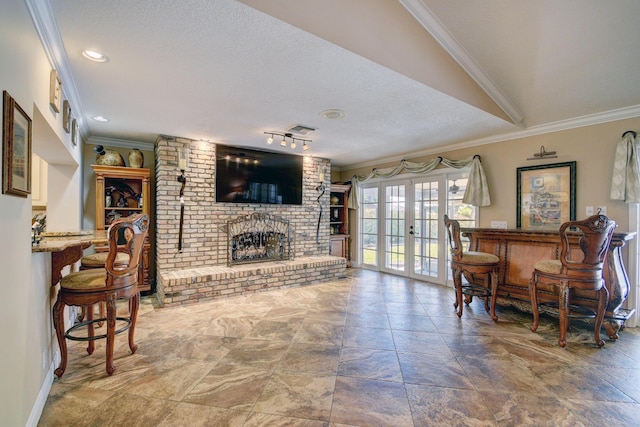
[(224, 71)]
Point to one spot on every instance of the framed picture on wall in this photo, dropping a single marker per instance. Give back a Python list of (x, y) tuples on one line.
[(74, 132), (16, 148), (55, 91), (66, 116), (546, 196)]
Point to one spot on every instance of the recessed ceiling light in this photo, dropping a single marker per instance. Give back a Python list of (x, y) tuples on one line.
[(92, 55), (333, 114), (100, 119)]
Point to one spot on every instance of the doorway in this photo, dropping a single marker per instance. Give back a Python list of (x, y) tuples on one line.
[(400, 224)]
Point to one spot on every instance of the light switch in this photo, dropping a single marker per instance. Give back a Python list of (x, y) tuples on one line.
[(589, 211), (499, 224)]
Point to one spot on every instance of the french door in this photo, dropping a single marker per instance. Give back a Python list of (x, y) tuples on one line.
[(401, 230)]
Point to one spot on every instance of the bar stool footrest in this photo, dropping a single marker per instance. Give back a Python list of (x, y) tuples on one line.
[(475, 290), (574, 311), (95, 337)]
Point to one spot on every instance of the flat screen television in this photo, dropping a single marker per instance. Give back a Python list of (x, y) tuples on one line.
[(252, 176)]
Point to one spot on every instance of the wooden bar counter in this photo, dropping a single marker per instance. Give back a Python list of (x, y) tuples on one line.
[(519, 250), (66, 248)]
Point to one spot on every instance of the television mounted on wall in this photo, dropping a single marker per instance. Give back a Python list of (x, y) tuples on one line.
[(252, 176)]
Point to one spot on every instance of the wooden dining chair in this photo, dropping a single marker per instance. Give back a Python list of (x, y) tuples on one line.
[(113, 282), (579, 267), (473, 265)]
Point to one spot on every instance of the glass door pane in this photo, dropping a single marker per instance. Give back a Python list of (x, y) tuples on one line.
[(369, 226), (394, 228), (426, 248)]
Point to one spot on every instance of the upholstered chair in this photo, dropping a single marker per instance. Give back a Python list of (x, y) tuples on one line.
[(98, 260), (579, 267), (474, 266), (113, 282)]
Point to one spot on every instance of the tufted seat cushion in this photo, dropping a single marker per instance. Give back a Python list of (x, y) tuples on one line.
[(99, 259), (552, 266), (85, 279), (479, 258)]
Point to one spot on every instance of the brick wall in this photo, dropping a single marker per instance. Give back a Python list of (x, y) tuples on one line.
[(204, 243)]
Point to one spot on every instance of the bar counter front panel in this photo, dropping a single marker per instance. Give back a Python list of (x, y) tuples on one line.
[(519, 250)]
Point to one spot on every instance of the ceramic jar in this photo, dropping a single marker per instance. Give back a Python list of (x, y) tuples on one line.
[(107, 157), (136, 158)]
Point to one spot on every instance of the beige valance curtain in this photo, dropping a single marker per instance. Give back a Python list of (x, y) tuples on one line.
[(476, 194), (625, 182)]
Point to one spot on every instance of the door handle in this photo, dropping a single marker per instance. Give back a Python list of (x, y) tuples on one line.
[(411, 230)]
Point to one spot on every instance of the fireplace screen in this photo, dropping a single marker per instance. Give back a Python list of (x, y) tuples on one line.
[(258, 237)]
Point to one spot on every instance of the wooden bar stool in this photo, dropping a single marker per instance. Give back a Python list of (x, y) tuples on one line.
[(578, 269), (473, 265), (108, 284), (98, 260)]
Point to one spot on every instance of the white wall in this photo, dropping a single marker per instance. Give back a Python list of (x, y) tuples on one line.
[(25, 313)]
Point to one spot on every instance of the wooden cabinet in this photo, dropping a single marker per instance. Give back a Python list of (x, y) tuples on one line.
[(339, 221), (120, 192)]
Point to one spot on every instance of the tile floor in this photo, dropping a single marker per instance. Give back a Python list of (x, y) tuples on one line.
[(368, 350)]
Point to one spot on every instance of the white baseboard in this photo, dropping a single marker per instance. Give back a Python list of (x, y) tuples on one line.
[(38, 405)]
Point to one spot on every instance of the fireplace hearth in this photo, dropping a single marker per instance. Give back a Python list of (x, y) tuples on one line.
[(258, 237)]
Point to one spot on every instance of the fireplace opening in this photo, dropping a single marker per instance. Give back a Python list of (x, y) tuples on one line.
[(258, 237)]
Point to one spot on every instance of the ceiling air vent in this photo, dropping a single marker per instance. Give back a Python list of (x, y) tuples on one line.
[(302, 129)]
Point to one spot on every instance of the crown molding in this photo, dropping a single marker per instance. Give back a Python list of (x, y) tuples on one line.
[(47, 28), (121, 143), (578, 122), (438, 31)]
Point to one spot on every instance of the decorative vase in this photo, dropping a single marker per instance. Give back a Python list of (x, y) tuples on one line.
[(108, 157), (136, 158), (334, 200)]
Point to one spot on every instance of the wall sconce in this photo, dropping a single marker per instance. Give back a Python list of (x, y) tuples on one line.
[(543, 154), (283, 143), (183, 161)]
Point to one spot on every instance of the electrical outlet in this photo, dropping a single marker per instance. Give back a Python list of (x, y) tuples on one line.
[(602, 210), (589, 210), (499, 224)]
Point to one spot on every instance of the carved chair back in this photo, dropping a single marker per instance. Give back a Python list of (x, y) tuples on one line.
[(595, 237), (134, 229), (453, 232)]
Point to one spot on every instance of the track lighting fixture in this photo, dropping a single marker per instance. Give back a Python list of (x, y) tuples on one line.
[(288, 138)]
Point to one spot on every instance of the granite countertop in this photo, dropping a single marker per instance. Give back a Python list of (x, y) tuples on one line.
[(57, 241)]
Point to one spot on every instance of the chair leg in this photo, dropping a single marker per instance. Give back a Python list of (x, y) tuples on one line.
[(91, 345), (563, 308), (134, 303), (457, 283), (533, 296), (493, 276), (58, 323), (101, 310), (111, 328), (603, 298)]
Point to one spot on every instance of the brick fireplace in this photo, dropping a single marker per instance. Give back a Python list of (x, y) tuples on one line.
[(200, 271)]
